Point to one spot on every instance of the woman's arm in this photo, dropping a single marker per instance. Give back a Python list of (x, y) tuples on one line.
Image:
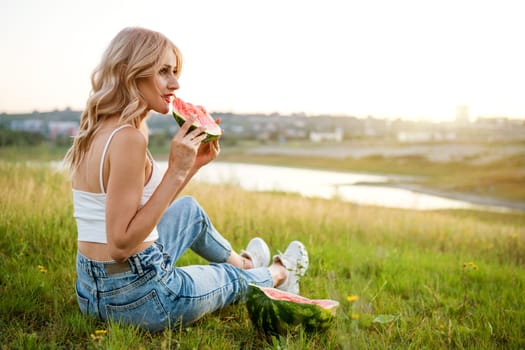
[(207, 152), (127, 226)]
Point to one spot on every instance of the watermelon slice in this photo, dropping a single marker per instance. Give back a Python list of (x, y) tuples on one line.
[(277, 312), (182, 111)]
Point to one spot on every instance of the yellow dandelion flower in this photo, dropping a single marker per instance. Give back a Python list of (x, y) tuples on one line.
[(42, 269), (355, 316), (441, 326), (470, 265), (352, 298), (100, 331)]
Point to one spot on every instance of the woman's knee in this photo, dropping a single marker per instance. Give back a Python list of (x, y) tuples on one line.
[(185, 206)]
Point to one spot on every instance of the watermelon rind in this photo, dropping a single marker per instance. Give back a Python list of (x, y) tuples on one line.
[(274, 316)]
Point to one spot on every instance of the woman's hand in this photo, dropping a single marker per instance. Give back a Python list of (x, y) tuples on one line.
[(185, 147), (207, 152)]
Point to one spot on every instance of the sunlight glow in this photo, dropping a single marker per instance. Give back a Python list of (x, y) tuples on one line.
[(408, 59)]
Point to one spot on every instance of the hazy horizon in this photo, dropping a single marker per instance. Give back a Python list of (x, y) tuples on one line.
[(408, 59)]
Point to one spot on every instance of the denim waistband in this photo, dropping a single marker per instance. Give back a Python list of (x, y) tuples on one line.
[(134, 264)]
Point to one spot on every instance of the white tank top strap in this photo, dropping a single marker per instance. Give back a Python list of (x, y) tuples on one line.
[(102, 158), (150, 156)]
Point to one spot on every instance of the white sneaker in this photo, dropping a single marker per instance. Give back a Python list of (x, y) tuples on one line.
[(295, 260), (258, 252)]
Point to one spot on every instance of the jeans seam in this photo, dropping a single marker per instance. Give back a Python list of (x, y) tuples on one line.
[(144, 279)]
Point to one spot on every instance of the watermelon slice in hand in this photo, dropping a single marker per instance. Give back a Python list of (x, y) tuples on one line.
[(183, 111), (277, 312)]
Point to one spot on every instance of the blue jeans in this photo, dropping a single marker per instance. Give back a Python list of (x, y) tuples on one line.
[(150, 292)]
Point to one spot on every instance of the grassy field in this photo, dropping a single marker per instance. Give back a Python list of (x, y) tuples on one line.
[(405, 279)]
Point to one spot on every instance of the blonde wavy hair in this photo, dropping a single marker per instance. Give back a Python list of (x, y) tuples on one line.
[(133, 54)]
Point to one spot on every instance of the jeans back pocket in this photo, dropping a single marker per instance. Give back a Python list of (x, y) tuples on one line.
[(83, 302), (146, 312)]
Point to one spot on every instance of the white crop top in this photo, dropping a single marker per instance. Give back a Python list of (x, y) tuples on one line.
[(90, 208)]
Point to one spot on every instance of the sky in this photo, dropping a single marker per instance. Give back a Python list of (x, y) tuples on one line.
[(410, 59)]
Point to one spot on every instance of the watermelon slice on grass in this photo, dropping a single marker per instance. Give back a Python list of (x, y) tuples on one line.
[(182, 111), (278, 312)]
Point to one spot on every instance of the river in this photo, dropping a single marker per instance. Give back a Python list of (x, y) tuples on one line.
[(327, 184)]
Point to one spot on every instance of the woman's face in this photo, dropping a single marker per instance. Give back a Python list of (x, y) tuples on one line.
[(159, 89)]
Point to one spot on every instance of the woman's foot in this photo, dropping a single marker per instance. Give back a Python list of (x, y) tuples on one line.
[(257, 252), (295, 260)]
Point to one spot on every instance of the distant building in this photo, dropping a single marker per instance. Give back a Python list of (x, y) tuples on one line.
[(66, 128), (336, 135), (425, 136), (462, 115), (30, 125)]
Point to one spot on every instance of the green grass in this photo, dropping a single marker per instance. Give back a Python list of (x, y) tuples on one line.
[(433, 280), (43, 152)]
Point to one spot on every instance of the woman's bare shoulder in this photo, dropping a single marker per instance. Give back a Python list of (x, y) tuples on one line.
[(129, 139), (126, 159)]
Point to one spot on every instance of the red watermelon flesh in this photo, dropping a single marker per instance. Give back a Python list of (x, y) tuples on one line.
[(182, 111), (278, 294)]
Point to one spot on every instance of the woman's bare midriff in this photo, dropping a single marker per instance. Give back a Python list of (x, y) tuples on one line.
[(100, 251)]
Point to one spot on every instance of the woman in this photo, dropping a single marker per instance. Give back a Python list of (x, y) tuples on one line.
[(131, 228)]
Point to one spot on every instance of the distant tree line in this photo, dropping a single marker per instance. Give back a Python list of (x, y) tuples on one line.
[(9, 137)]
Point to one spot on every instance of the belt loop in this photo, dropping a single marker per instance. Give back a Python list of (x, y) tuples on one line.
[(90, 269), (138, 265)]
